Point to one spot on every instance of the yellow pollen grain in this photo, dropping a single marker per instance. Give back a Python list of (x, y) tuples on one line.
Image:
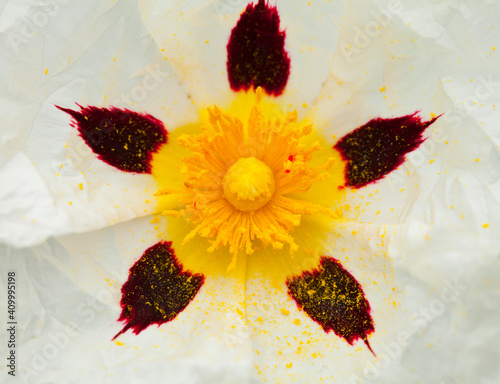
[(289, 365), (296, 322), (119, 343), (81, 186), (382, 89), (486, 225), (285, 312)]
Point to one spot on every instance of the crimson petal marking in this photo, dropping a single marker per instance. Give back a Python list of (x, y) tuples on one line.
[(256, 51), (122, 138), (379, 147), (333, 298), (157, 289)]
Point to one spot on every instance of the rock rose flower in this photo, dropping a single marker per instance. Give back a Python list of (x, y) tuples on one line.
[(233, 192)]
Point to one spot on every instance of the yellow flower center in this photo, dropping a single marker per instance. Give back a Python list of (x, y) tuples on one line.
[(247, 177), (248, 184)]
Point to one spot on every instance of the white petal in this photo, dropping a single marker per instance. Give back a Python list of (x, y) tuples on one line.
[(68, 294), (291, 347), (28, 210), (442, 205), (63, 54), (194, 37)]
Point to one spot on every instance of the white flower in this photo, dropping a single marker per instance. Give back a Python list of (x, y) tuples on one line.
[(423, 242)]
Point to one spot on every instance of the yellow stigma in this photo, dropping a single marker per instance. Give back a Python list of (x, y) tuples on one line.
[(247, 177), (248, 184)]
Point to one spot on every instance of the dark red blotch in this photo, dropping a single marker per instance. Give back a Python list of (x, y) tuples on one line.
[(333, 298), (122, 138), (379, 147), (157, 289), (256, 53)]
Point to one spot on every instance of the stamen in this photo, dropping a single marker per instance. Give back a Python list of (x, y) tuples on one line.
[(240, 178)]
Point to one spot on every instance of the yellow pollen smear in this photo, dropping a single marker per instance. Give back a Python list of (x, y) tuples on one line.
[(246, 177), (248, 184)]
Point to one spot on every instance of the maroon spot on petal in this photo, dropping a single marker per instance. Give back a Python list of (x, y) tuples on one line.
[(333, 298), (256, 51), (122, 138), (157, 289), (379, 147)]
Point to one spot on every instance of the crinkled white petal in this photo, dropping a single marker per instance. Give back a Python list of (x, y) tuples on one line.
[(68, 295), (441, 207), (62, 54)]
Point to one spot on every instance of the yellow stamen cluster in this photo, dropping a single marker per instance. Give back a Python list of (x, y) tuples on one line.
[(243, 178)]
